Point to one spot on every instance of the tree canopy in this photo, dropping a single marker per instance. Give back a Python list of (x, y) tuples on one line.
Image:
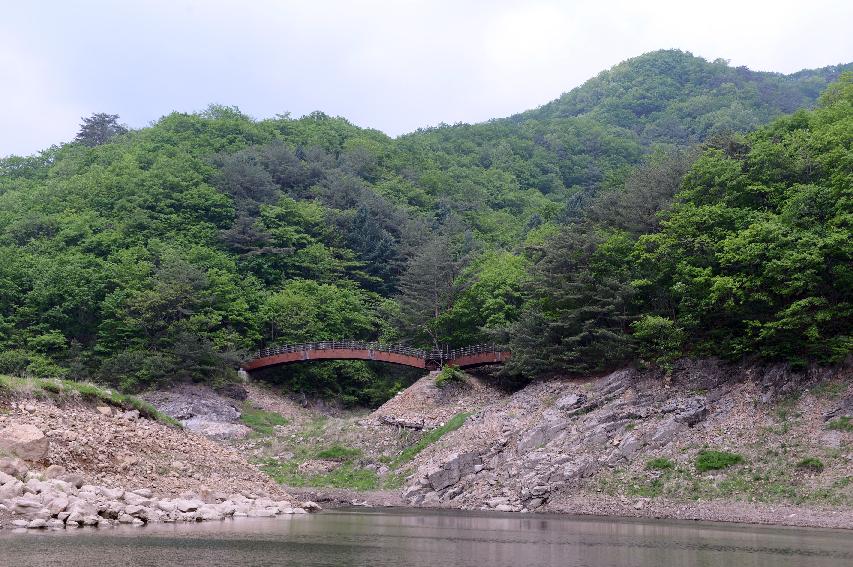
[(583, 233)]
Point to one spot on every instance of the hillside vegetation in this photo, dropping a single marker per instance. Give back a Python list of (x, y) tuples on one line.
[(142, 257)]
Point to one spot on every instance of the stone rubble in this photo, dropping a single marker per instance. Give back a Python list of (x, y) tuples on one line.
[(36, 501), (67, 464)]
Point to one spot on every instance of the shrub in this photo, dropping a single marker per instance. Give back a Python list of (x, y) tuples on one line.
[(449, 374), (659, 340), (42, 367), (811, 464), (13, 362), (708, 460), (659, 464)]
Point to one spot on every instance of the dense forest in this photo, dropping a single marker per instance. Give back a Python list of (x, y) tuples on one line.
[(670, 206)]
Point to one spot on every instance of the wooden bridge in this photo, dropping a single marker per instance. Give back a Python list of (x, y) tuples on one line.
[(478, 355)]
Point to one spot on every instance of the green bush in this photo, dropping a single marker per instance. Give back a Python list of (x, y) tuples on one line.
[(811, 464), (659, 464), (449, 374), (42, 367), (13, 362), (709, 460), (659, 340)]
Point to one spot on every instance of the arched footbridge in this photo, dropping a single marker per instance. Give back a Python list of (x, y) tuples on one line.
[(468, 357)]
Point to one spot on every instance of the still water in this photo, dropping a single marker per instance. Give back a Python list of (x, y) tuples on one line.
[(409, 538)]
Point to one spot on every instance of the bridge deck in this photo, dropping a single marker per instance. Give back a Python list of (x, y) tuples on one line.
[(351, 350)]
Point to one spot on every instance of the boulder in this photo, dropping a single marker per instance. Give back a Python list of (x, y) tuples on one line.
[(311, 506), (632, 443), (694, 410), (167, 505), (25, 441), (690, 411), (541, 434), (14, 467), (74, 479), (80, 510), (37, 523), (209, 512), (570, 401), (666, 431), (188, 505), (54, 471), (11, 489), (57, 505), (136, 499), (455, 468), (104, 410)]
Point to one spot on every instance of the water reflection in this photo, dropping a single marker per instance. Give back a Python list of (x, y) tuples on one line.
[(421, 538)]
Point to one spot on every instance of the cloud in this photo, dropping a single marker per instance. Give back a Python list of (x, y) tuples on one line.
[(393, 65)]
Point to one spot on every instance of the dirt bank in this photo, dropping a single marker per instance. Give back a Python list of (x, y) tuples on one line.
[(61, 451)]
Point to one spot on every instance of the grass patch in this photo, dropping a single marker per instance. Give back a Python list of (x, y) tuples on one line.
[(339, 453), (709, 460), (42, 387), (344, 476), (840, 424), (447, 375), (812, 464), (410, 452), (830, 389), (659, 464), (261, 421)]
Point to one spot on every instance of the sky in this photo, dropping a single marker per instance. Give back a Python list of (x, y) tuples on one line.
[(394, 65)]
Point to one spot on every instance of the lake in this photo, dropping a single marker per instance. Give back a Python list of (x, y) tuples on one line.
[(414, 538)]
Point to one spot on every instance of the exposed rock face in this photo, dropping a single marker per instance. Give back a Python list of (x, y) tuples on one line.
[(25, 441), (549, 438), (203, 411)]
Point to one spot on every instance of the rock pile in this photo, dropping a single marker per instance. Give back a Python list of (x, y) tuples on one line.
[(66, 460), (55, 499)]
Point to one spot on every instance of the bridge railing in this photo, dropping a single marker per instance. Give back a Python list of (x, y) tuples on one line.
[(345, 345), (435, 356), (452, 354)]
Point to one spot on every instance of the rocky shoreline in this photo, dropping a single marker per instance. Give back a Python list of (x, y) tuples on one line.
[(613, 507), (619, 445), (67, 463), (53, 498)]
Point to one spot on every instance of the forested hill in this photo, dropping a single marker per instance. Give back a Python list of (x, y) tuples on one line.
[(588, 139), (674, 97), (166, 253)]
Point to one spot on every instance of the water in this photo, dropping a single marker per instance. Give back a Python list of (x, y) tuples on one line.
[(409, 538)]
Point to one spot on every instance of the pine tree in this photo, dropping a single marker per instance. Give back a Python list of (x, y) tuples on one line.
[(99, 129)]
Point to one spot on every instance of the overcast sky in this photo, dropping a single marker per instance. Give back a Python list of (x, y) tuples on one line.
[(395, 65)]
